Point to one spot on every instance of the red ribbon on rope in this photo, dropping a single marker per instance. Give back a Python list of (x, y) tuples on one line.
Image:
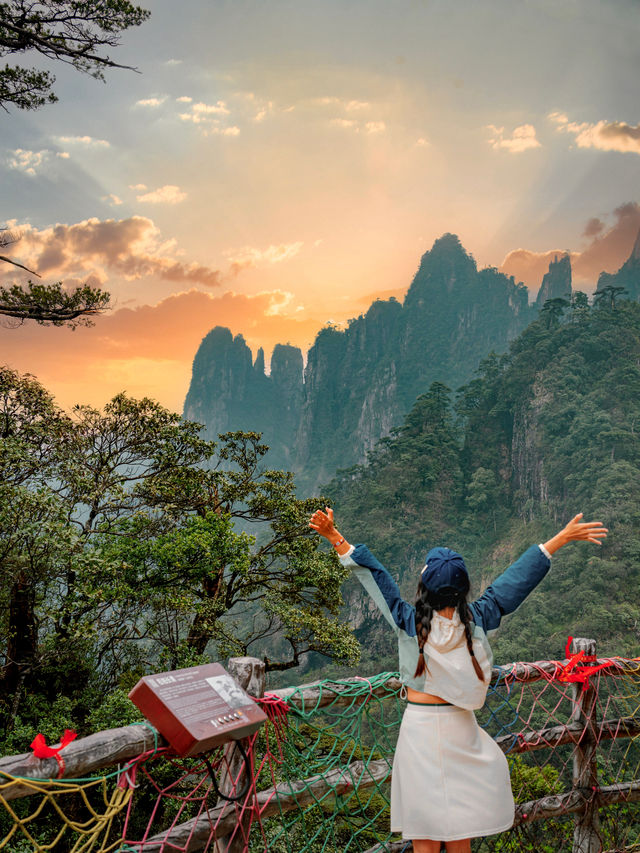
[(41, 750), (274, 707), (571, 672)]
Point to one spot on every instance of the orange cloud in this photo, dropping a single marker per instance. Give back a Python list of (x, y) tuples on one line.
[(131, 248), (530, 267), (607, 250), (148, 350)]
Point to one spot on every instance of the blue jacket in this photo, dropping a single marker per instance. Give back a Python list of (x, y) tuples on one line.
[(504, 596)]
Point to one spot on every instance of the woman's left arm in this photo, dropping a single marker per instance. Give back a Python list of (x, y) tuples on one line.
[(576, 530), (511, 588)]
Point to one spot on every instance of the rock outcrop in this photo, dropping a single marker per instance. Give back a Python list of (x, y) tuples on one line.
[(229, 392), (556, 283), (628, 276)]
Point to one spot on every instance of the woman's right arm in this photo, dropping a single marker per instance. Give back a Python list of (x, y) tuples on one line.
[(370, 572), (322, 523)]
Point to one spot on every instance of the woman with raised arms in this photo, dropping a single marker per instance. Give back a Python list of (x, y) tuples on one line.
[(450, 780)]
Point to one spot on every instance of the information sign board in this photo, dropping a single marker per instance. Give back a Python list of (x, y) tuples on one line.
[(198, 708)]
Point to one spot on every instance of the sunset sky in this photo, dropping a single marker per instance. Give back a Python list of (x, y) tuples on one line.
[(278, 165)]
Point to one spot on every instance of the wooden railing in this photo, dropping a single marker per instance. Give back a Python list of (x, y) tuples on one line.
[(583, 730)]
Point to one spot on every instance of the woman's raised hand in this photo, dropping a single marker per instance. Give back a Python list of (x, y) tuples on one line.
[(590, 531), (322, 522), (576, 530)]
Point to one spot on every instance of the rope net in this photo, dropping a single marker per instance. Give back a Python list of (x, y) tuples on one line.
[(321, 766)]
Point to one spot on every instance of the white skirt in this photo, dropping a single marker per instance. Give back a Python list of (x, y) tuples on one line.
[(450, 779)]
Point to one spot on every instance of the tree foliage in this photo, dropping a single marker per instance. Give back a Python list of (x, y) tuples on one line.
[(52, 304), (72, 31), (129, 543), (48, 304)]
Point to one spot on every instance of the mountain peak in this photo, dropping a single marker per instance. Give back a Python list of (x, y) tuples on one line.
[(557, 281), (445, 267), (635, 253), (448, 244)]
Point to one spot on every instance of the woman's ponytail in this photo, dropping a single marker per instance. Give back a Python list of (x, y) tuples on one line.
[(463, 612), (424, 612)]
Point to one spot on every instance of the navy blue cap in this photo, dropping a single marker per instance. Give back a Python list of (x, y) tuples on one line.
[(445, 569)]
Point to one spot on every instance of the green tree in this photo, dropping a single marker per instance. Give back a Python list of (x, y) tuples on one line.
[(579, 305), (71, 31), (553, 310), (51, 304), (124, 544), (483, 493), (607, 295)]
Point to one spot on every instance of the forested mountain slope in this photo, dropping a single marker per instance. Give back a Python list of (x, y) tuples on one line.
[(548, 430)]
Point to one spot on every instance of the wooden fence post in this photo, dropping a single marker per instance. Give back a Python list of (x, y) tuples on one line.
[(250, 675), (586, 836)]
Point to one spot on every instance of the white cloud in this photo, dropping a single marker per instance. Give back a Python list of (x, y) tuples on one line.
[(264, 109), (112, 199), (326, 101), (169, 194), (27, 161), (346, 123), (422, 142), (602, 135), (350, 114), (171, 62), (219, 108), (356, 126), (151, 102), (350, 106), (88, 141), (138, 187), (249, 256), (224, 131), (209, 118), (522, 138), (184, 99), (64, 155)]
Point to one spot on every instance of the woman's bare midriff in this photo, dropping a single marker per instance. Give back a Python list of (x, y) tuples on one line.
[(424, 698)]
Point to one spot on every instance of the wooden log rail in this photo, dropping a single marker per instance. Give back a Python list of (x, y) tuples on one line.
[(81, 757)]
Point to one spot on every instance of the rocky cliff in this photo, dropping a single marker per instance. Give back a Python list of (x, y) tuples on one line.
[(556, 283), (628, 276), (229, 392), (359, 383)]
